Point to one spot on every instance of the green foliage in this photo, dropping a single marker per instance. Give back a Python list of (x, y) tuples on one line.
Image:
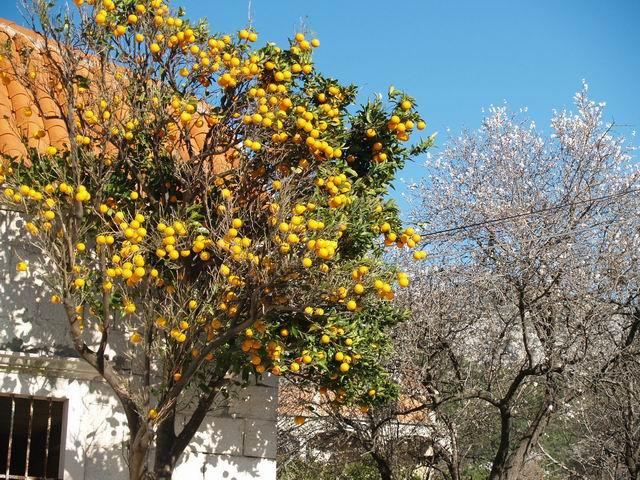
[(359, 469), (217, 204)]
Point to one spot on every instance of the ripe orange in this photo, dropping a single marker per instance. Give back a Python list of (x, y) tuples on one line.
[(135, 338)]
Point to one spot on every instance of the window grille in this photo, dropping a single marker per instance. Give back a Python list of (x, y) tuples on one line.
[(30, 438)]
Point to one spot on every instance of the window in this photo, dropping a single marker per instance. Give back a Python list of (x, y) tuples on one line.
[(30, 438)]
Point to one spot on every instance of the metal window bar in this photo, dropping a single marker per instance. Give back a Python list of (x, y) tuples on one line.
[(13, 430), (46, 444)]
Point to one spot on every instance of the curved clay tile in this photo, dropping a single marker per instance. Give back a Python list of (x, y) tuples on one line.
[(21, 116), (28, 121), (32, 110), (54, 125), (48, 108), (10, 142)]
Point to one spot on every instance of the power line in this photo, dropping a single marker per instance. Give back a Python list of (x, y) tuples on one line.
[(526, 214), (465, 250)]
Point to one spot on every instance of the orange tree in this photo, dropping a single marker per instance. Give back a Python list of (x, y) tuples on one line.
[(217, 211)]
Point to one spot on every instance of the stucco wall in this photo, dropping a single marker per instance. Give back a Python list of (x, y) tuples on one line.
[(28, 320), (237, 440)]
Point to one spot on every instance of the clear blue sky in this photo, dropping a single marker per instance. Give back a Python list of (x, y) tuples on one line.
[(458, 56)]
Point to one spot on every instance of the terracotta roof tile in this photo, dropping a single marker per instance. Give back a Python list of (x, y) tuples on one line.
[(28, 112), (294, 400)]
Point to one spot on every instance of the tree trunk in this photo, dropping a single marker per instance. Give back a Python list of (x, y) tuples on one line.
[(500, 460), (138, 451), (453, 460), (631, 462), (519, 457), (512, 462), (164, 466), (454, 470), (165, 460), (169, 445), (386, 473), (137, 465)]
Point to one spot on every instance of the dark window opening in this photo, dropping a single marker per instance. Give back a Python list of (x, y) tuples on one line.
[(30, 438)]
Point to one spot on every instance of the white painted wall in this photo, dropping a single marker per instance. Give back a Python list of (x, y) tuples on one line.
[(28, 320), (237, 440)]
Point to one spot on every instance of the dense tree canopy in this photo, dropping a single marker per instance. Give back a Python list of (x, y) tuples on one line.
[(532, 289), (215, 208)]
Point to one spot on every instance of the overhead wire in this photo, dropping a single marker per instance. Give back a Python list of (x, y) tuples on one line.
[(526, 214)]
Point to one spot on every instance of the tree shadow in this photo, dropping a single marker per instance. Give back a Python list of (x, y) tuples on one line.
[(28, 321), (237, 440)]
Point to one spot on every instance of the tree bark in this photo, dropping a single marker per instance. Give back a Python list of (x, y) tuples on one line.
[(386, 473), (631, 461), (138, 451), (500, 459), (509, 463), (169, 445), (453, 461), (165, 460), (519, 456)]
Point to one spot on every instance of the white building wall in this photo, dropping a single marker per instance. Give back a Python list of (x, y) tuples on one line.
[(237, 440), (28, 320)]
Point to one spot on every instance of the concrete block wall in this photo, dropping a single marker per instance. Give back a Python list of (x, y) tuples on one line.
[(237, 442)]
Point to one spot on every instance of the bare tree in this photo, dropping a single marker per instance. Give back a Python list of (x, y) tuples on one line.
[(531, 290), (601, 432), (397, 437)]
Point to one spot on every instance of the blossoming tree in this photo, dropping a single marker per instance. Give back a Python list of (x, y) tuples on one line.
[(214, 210), (526, 315)]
